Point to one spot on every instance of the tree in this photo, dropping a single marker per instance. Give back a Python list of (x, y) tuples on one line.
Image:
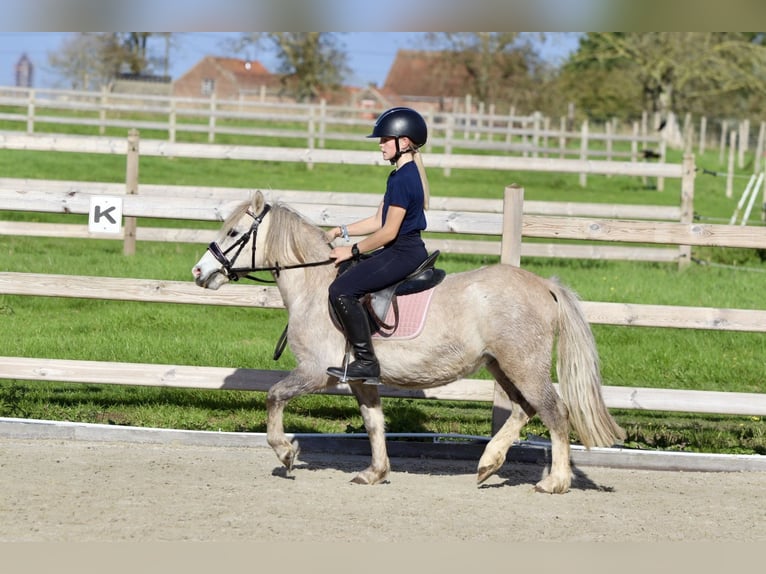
[(676, 71), (497, 63), (89, 60), (311, 62)]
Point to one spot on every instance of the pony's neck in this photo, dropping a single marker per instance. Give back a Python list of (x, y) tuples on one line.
[(304, 291)]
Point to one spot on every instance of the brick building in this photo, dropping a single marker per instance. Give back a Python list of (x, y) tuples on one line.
[(228, 79)]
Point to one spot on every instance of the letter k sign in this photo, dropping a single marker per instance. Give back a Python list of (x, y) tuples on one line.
[(105, 214)]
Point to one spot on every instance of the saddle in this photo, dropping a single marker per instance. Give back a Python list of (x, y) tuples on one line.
[(378, 303)]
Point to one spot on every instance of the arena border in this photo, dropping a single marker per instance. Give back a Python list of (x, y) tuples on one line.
[(412, 445)]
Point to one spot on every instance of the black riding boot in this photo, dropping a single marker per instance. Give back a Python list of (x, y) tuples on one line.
[(353, 318)]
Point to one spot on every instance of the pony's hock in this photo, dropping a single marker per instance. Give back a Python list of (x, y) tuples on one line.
[(499, 316)]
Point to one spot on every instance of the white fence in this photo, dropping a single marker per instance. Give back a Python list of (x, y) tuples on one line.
[(317, 124), (331, 209)]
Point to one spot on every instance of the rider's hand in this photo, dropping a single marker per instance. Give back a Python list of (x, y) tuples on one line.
[(340, 254)]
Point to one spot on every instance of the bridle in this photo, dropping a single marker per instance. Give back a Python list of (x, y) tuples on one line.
[(234, 273)]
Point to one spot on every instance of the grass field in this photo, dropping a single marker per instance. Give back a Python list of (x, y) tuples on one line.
[(237, 337)]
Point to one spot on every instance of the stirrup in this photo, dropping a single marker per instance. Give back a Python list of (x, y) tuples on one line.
[(372, 381)]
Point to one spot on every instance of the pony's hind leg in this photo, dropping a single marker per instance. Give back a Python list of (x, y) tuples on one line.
[(496, 450), (372, 414), (554, 415), (536, 394)]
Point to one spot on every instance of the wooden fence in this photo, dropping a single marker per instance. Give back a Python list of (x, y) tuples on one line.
[(318, 124), (509, 221)]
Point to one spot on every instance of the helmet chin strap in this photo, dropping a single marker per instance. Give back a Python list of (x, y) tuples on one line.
[(399, 152)]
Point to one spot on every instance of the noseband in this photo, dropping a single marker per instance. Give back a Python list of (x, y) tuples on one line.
[(234, 273)]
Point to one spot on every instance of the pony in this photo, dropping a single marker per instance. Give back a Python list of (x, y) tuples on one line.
[(499, 316)]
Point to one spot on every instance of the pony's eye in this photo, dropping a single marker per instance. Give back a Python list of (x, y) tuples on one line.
[(233, 233)]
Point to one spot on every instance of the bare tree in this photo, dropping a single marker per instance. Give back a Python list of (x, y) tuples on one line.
[(89, 60)]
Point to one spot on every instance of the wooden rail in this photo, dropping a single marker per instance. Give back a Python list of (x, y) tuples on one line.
[(498, 218)]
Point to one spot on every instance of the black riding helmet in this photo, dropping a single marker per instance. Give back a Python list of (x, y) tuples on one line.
[(398, 122)]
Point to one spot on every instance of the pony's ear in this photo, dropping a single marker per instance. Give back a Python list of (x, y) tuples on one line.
[(258, 201)]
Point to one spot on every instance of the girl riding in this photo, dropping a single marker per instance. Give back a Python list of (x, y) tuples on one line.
[(392, 235)]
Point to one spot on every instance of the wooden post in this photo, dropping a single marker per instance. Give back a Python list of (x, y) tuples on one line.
[(211, 120), (536, 133), (584, 150), (510, 254), (562, 136), (744, 140), (609, 132), (172, 121), (322, 122), (663, 157), (513, 207), (449, 135), (688, 173), (759, 151), (634, 144), (31, 113), (131, 187), (102, 111), (703, 135), (730, 172), (311, 139), (722, 146)]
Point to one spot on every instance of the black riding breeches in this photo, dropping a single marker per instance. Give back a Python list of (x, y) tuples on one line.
[(383, 268)]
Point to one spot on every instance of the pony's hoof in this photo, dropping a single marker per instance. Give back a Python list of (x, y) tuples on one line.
[(369, 477), (488, 465), (550, 486), (484, 473), (288, 456)]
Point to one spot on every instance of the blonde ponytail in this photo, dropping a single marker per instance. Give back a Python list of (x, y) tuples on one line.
[(423, 178)]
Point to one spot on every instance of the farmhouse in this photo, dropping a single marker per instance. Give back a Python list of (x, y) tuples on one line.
[(227, 79)]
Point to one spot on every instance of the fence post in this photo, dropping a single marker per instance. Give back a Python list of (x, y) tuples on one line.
[(584, 150), (322, 122), (759, 151), (211, 121), (31, 113), (688, 173), (510, 253), (102, 111), (744, 141), (449, 135), (172, 121), (722, 145), (730, 173), (131, 187), (703, 135)]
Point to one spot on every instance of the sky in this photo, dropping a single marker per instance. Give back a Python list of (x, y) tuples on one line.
[(371, 54)]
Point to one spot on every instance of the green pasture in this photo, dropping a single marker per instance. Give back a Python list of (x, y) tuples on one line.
[(69, 328)]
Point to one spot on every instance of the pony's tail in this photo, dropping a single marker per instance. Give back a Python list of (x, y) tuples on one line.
[(579, 374)]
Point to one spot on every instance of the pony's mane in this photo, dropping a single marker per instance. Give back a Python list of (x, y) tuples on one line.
[(292, 238)]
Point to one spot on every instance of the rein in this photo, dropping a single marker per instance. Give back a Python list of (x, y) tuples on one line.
[(234, 273)]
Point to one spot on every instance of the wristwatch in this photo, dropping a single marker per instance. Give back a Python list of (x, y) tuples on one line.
[(355, 251)]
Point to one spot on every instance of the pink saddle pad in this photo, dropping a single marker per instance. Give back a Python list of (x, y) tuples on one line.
[(412, 315)]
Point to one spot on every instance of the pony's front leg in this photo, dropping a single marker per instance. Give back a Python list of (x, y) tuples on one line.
[(372, 414), (279, 395)]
